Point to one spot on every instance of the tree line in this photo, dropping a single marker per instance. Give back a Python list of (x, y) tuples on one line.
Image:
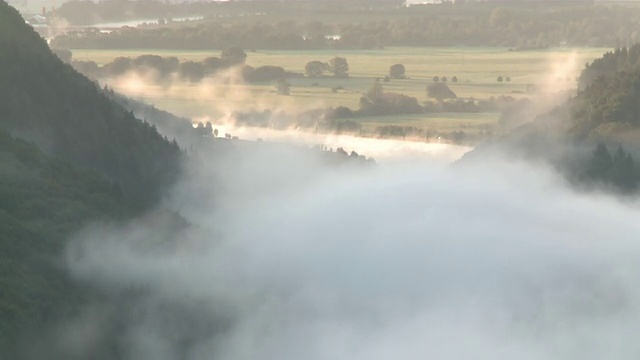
[(518, 27)]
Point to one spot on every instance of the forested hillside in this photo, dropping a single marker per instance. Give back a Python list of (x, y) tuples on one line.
[(42, 201), (69, 155), (66, 115), (593, 137), (611, 63)]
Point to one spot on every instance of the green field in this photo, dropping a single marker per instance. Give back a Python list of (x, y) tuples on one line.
[(476, 69)]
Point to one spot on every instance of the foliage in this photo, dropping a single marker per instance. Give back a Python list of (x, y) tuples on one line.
[(396, 71), (233, 56), (339, 67), (48, 102), (42, 201), (518, 25), (87, 159), (159, 68), (378, 102), (608, 101), (611, 63), (619, 170), (315, 68)]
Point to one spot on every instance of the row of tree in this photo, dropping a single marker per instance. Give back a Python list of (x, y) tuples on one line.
[(163, 68)]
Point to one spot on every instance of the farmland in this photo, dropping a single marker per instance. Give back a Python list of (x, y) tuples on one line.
[(476, 70)]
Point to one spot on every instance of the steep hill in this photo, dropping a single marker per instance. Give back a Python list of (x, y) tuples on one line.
[(42, 201), (66, 115), (69, 156)]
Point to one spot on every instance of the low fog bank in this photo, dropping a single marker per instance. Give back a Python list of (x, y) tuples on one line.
[(289, 259), (380, 149)]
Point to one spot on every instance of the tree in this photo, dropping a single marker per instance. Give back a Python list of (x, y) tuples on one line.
[(444, 79), (263, 73), (215, 132), (454, 79), (436, 79), (500, 79), (211, 64), (118, 66), (339, 67), (192, 71), (315, 68), (623, 173), (396, 71), (233, 56), (600, 163)]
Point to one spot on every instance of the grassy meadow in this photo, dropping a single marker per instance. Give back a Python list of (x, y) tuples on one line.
[(477, 70)]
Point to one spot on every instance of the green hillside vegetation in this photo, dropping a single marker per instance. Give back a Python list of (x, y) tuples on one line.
[(66, 115), (69, 155), (42, 202), (621, 59), (609, 108), (577, 136)]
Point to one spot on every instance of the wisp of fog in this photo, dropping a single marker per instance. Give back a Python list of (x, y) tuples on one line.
[(290, 259)]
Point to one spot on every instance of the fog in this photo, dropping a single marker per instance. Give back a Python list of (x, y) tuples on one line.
[(385, 150), (217, 96), (289, 258)]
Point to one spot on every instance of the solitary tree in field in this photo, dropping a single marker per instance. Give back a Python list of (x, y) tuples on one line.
[(233, 56), (396, 71), (454, 79), (315, 68), (500, 79), (339, 67)]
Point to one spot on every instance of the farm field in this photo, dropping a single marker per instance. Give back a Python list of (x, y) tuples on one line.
[(476, 69)]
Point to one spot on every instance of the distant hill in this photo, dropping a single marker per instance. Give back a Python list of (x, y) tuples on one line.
[(66, 115)]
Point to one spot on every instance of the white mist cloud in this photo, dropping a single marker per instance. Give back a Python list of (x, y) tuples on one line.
[(491, 260), (217, 96), (379, 149)]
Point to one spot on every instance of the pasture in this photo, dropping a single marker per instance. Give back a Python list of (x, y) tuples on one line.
[(477, 70)]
